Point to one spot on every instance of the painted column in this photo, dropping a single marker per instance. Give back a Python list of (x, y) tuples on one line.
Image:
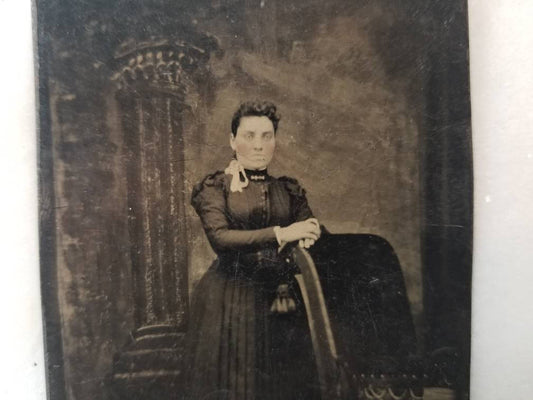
[(153, 80)]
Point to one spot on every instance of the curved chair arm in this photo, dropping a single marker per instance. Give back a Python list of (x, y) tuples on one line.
[(333, 384)]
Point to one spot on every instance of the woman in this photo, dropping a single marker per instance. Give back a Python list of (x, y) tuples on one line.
[(248, 330)]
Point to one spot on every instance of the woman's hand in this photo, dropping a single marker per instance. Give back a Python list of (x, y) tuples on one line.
[(305, 232), (306, 243)]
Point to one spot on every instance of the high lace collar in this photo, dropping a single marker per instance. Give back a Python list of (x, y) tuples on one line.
[(256, 175)]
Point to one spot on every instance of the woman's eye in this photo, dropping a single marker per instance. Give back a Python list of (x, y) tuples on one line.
[(249, 136), (268, 136)]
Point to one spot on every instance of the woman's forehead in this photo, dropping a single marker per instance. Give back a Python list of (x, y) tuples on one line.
[(252, 123)]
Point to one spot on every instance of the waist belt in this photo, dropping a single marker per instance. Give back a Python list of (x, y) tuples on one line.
[(263, 264)]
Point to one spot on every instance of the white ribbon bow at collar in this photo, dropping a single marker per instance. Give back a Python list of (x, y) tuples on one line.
[(235, 169)]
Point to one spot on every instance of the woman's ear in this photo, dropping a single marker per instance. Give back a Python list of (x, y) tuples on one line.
[(232, 141)]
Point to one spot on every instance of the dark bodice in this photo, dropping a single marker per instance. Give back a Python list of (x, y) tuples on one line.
[(260, 205), (239, 225)]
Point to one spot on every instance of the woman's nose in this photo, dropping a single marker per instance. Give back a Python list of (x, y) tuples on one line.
[(258, 144)]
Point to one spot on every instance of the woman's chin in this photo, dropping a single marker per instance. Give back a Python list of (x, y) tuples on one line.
[(254, 165)]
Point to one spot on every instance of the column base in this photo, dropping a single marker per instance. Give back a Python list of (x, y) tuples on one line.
[(150, 367)]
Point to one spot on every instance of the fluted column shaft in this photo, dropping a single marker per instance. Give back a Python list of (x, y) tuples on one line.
[(155, 207)]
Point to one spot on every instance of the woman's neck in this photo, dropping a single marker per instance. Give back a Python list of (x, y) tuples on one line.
[(256, 174)]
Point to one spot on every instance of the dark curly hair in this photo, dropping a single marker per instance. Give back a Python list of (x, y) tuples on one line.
[(256, 109)]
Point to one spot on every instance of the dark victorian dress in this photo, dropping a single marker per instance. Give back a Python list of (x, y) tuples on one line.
[(238, 347)]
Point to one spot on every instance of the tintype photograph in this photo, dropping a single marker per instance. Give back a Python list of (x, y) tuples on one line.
[(255, 199)]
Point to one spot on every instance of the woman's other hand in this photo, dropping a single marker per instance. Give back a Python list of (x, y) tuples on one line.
[(306, 243), (305, 232)]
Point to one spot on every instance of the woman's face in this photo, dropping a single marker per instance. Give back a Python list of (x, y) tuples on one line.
[(254, 142)]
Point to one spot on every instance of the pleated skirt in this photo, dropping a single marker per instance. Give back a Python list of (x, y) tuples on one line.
[(237, 349)]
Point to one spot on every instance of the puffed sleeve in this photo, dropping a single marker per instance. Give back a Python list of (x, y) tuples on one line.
[(300, 210), (209, 201)]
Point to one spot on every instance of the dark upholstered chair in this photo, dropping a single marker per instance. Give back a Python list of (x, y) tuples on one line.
[(365, 295)]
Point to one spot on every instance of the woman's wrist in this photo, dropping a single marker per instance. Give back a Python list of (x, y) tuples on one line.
[(277, 232)]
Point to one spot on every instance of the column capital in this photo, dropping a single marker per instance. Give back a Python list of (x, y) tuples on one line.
[(160, 64)]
